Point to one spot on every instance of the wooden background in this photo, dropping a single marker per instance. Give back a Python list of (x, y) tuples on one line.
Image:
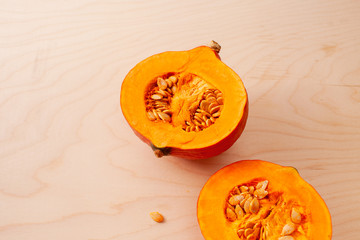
[(70, 166)]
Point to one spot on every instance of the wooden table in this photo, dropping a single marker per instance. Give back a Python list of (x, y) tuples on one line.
[(71, 167)]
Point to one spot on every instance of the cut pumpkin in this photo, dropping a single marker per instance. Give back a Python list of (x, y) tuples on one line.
[(260, 200), (185, 103)]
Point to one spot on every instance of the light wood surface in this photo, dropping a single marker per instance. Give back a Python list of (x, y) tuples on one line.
[(70, 166)]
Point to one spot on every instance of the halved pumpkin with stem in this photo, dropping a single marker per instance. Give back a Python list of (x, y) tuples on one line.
[(185, 103), (259, 200)]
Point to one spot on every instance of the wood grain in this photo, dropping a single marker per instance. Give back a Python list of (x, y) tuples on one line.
[(71, 168)]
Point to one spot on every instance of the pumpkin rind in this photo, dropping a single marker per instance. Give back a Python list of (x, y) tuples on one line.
[(212, 198), (167, 139)]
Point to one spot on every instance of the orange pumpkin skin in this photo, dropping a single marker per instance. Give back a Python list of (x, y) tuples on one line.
[(207, 152), (165, 140), (283, 181)]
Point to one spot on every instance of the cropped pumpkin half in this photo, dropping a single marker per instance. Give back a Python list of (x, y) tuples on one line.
[(259, 200), (185, 103)]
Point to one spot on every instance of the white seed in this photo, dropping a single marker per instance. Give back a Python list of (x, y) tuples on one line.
[(212, 105), (217, 114), (151, 116), (295, 216), (204, 105), (230, 214), (174, 89), (286, 238), (251, 189), (155, 114), (254, 205), (262, 185), (162, 93), (247, 205), (220, 100), (244, 189), (173, 79), (156, 96), (169, 83), (236, 199), (161, 83), (288, 229), (260, 193), (239, 212), (164, 116), (240, 232), (249, 225), (248, 231)]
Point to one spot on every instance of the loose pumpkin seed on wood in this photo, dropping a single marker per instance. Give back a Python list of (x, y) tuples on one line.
[(157, 217)]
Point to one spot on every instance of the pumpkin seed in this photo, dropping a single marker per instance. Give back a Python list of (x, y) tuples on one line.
[(156, 96), (262, 185), (151, 116), (248, 231), (240, 232), (169, 83), (249, 225), (251, 189), (295, 216), (254, 205), (212, 105), (174, 79), (230, 214), (247, 205), (220, 100), (288, 229), (157, 217), (260, 193), (244, 189), (161, 83), (236, 199), (155, 114), (239, 212), (163, 116), (217, 114), (251, 237), (286, 238)]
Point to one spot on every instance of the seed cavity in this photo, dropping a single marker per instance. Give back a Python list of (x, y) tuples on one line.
[(186, 99), (263, 214)]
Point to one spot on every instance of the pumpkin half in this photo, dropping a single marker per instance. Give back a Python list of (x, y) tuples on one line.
[(185, 103), (259, 200)]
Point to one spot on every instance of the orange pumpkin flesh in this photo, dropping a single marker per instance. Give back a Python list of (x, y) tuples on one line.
[(197, 70), (287, 194)]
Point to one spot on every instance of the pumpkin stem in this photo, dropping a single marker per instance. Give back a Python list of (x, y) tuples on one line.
[(214, 46), (160, 152)]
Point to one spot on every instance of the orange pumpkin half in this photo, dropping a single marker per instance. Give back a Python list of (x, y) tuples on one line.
[(185, 103), (260, 200)]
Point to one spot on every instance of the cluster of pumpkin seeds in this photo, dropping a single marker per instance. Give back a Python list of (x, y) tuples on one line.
[(159, 98), (208, 111), (158, 104), (244, 203)]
